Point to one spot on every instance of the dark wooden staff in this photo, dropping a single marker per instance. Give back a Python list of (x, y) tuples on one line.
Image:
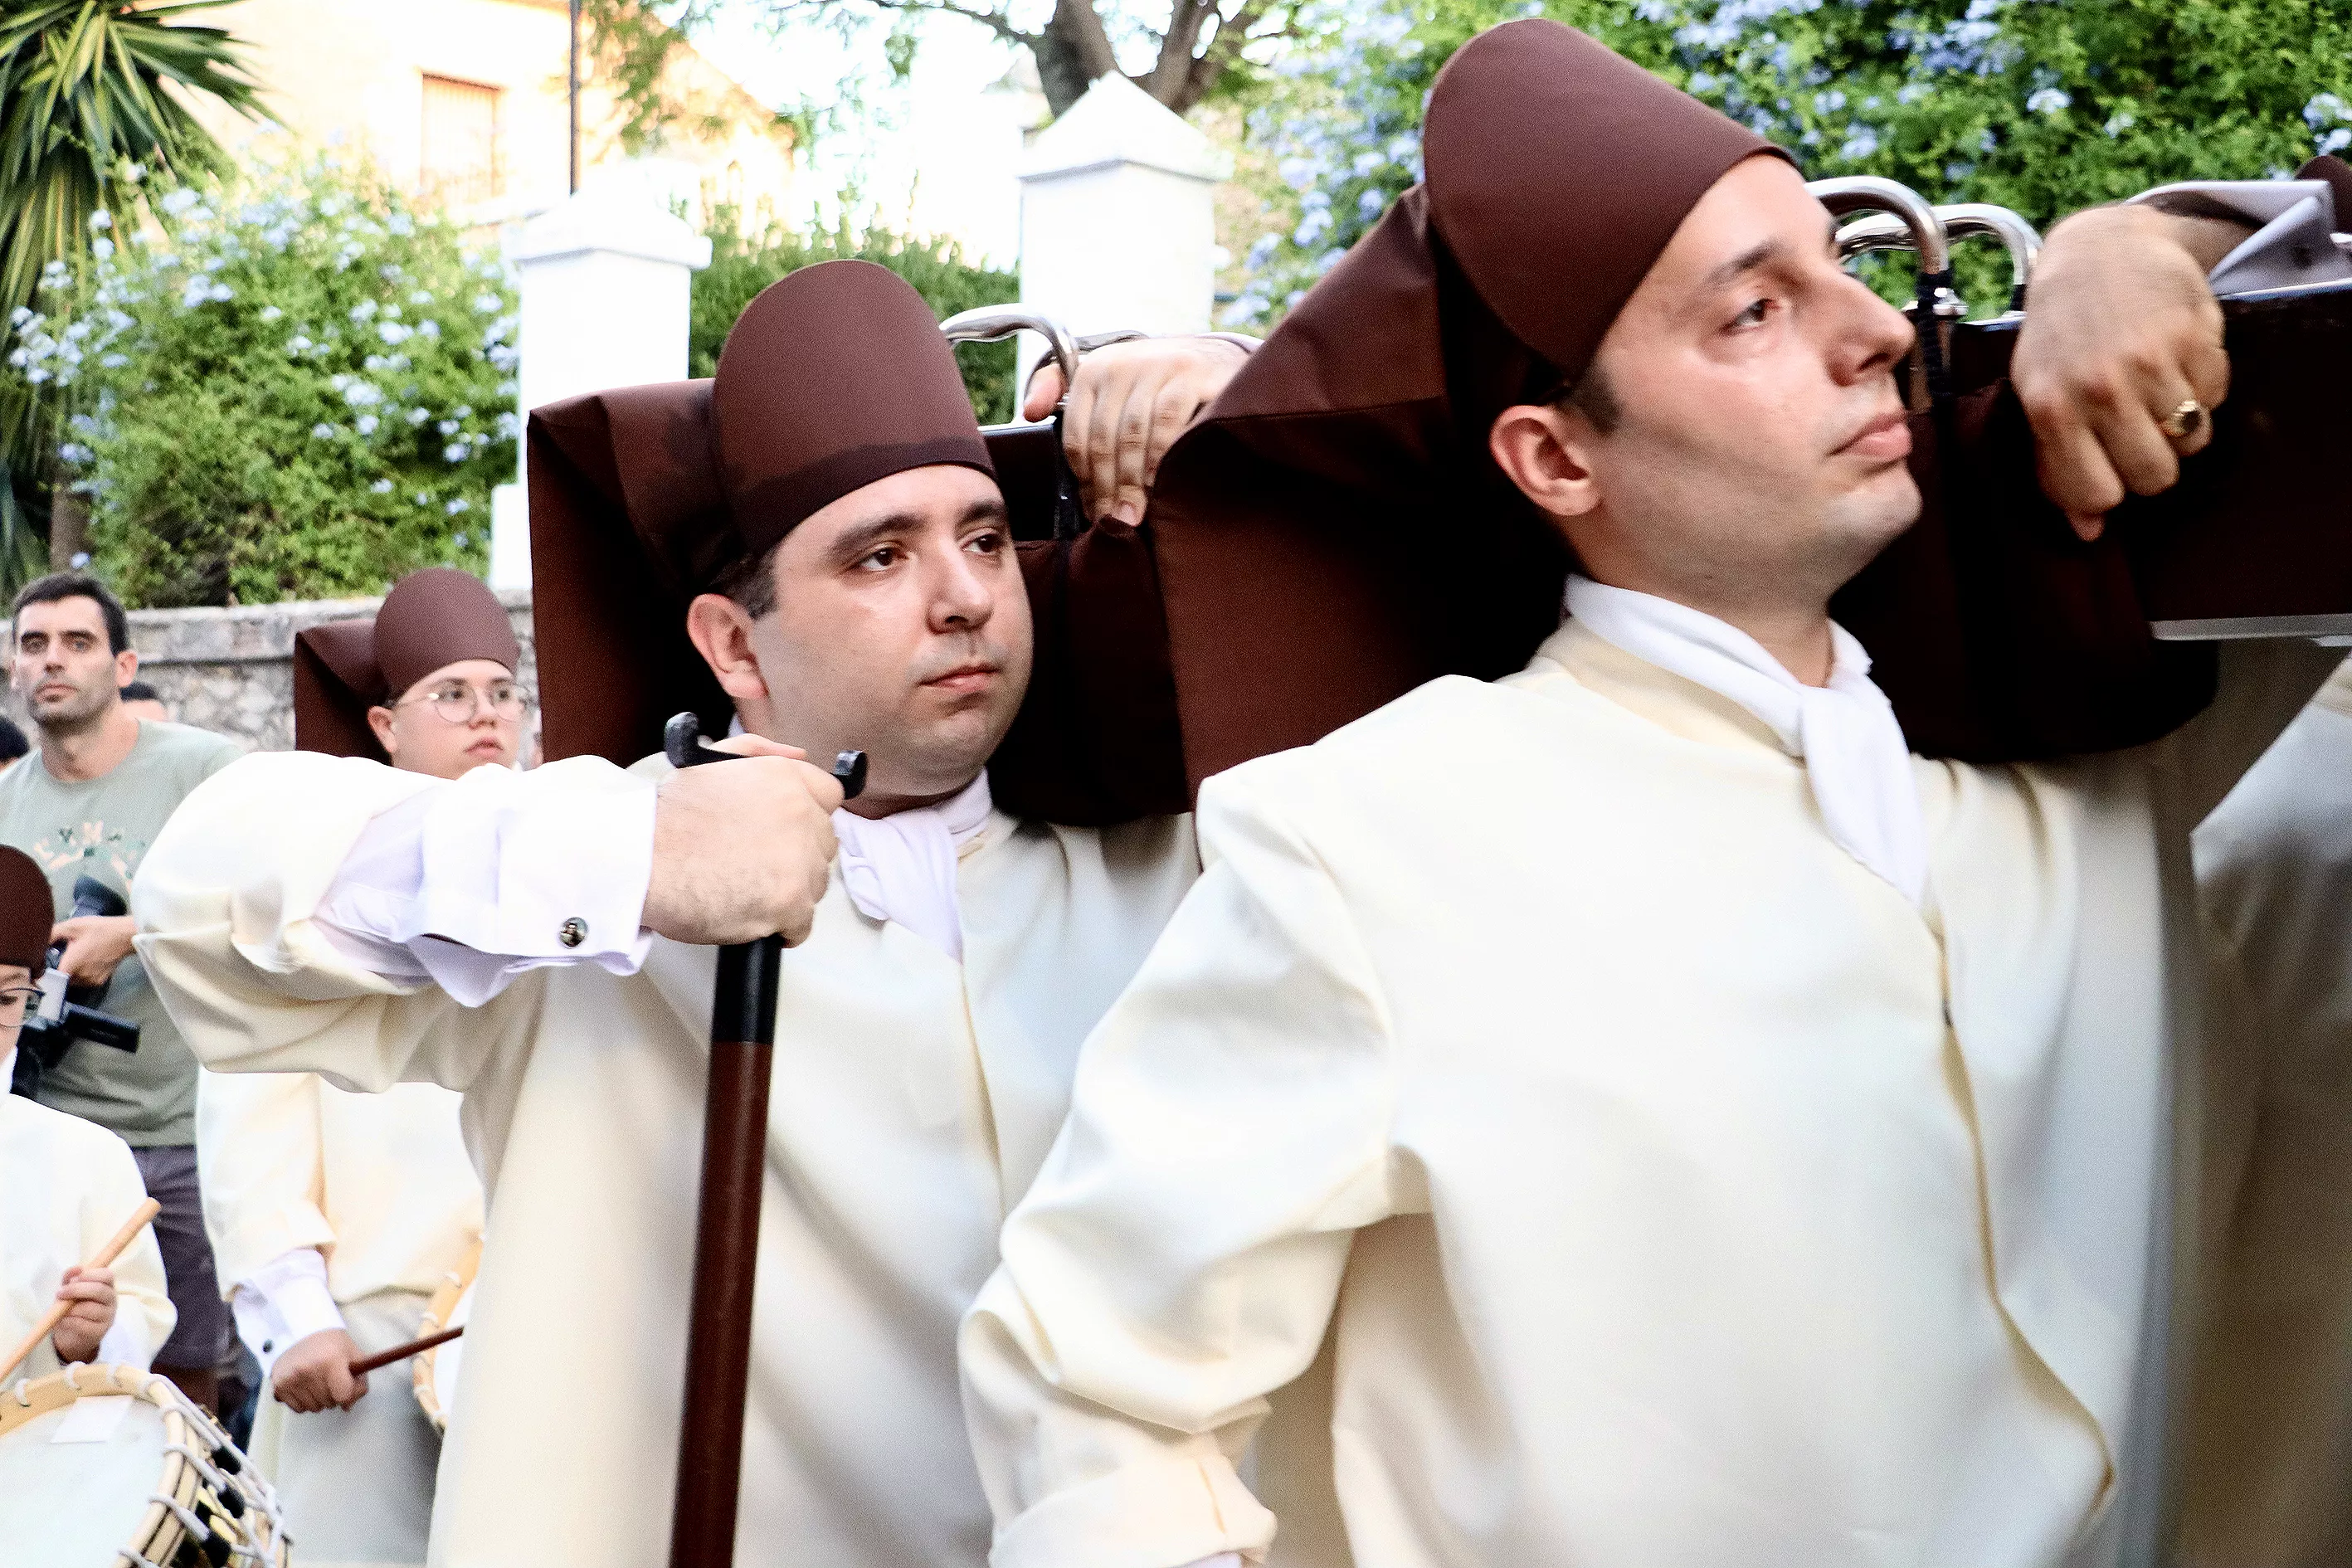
[(727, 1230)]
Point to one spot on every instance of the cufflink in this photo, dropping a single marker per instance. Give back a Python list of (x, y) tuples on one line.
[(572, 933)]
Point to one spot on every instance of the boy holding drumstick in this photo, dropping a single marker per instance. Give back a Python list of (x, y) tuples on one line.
[(66, 1186)]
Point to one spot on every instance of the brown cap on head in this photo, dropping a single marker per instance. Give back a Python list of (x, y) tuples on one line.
[(27, 911), (833, 378), (1337, 517), (642, 497), (431, 618)]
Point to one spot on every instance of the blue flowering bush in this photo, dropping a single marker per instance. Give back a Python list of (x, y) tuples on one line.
[(2040, 106), (300, 389)]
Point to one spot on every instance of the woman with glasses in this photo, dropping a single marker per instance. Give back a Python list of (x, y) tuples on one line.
[(335, 1215), (66, 1186)]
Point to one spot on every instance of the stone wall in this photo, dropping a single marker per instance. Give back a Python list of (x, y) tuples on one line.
[(232, 671)]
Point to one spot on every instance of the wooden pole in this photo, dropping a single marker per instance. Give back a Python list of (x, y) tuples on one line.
[(571, 69), (726, 1224)]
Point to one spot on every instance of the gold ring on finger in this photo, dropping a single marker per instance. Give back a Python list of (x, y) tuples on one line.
[(2186, 420)]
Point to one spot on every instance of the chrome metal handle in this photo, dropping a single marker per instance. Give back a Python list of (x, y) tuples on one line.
[(995, 323)]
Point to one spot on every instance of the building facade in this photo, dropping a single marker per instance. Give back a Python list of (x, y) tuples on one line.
[(464, 104)]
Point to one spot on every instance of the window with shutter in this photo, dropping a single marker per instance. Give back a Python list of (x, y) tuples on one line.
[(461, 142)]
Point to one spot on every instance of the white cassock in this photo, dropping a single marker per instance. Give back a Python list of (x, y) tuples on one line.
[(66, 1187), (1675, 1190), (914, 1097), (2269, 1439), (333, 1210)]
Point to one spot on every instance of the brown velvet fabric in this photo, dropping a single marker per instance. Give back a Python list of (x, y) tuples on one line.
[(620, 481), (434, 617), (25, 911)]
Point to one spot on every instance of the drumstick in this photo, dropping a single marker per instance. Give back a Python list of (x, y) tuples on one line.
[(58, 1310), (401, 1352)]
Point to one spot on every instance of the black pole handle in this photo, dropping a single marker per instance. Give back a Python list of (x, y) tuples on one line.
[(682, 743)]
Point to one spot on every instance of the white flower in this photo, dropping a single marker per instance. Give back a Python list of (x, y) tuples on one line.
[(447, 426), (363, 395), (418, 417), (323, 432), (488, 304), (271, 312), (461, 542), (422, 297), (364, 311), (456, 452), (2050, 101), (429, 329), (178, 201), (114, 362), (364, 424), (423, 499), (297, 345), (381, 486), (76, 454), (101, 219), (392, 333), (460, 504)]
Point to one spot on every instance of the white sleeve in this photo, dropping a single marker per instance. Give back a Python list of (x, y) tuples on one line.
[(284, 1301), (2294, 222), (470, 883)]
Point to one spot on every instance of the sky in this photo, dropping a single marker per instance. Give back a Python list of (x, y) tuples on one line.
[(935, 155)]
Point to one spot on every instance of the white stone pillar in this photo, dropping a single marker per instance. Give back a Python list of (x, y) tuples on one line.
[(602, 277), (1118, 224)]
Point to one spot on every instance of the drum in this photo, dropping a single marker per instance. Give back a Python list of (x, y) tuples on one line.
[(106, 1464), (434, 1371)]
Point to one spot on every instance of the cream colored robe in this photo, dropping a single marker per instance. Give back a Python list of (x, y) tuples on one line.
[(66, 1187), (380, 1185), (913, 1100), (1677, 1194), (2270, 1432)]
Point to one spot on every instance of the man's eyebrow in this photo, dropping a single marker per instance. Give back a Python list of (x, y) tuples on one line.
[(1756, 256), (859, 541)]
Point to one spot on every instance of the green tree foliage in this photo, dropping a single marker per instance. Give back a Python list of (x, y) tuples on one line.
[(86, 122), (748, 252), (305, 391), (2035, 105)]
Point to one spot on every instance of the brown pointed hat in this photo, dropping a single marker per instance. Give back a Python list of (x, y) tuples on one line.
[(431, 618), (27, 908), (1294, 524), (642, 497)]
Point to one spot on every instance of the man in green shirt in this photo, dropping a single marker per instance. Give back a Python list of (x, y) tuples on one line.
[(88, 804)]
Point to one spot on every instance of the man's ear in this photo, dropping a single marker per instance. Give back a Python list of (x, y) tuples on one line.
[(1546, 452), (126, 667), (380, 720), (721, 633)]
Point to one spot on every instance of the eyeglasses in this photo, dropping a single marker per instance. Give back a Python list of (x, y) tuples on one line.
[(13, 1005), (457, 703)]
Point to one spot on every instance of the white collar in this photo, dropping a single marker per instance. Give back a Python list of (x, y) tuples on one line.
[(1845, 732), (902, 868)]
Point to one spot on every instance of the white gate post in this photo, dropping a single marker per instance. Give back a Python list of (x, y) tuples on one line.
[(1118, 224), (602, 277)]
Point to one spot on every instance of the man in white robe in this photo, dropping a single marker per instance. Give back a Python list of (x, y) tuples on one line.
[(540, 941), (2268, 1441), (337, 1215), (66, 1185), (1700, 1131)]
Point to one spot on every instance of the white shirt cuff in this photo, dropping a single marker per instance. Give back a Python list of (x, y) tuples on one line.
[(282, 1302), (2294, 221), (471, 883)]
